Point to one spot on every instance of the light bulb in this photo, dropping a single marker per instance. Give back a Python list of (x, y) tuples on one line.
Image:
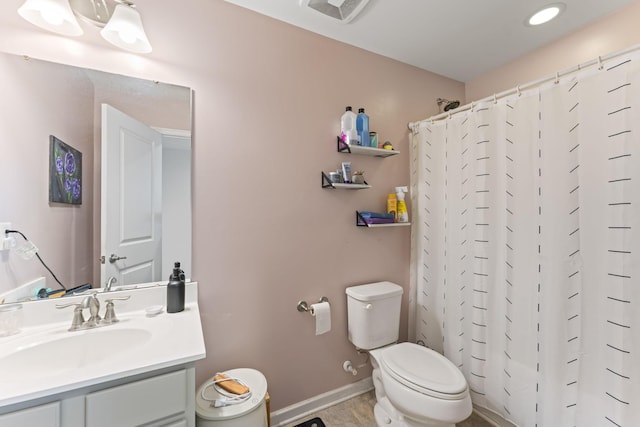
[(125, 30), (127, 37), (51, 15)]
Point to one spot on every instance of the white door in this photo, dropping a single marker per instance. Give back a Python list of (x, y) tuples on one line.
[(131, 196)]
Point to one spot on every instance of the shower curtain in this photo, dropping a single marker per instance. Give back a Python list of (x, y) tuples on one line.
[(526, 247)]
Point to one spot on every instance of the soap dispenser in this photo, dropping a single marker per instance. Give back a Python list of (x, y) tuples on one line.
[(403, 215), (175, 290)]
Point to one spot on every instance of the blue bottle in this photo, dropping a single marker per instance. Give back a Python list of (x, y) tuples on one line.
[(362, 127)]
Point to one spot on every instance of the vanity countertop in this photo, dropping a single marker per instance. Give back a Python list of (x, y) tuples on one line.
[(44, 358)]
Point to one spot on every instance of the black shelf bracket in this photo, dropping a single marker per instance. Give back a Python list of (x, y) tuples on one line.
[(343, 146), (326, 182), (360, 221)]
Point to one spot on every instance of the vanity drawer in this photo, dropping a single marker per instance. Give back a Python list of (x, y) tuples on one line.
[(42, 416), (139, 402)]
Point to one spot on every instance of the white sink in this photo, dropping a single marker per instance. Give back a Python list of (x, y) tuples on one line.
[(72, 351), (45, 358)]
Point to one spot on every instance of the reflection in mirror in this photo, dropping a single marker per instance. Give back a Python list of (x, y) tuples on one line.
[(149, 181)]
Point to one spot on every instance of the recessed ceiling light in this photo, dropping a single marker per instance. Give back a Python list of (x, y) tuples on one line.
[(545, 14)]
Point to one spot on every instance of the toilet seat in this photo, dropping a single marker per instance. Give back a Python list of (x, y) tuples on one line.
[(424, 371)]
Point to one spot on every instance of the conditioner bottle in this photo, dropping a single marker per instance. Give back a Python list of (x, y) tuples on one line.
[(392, 206), (362, 127), (403, 215)]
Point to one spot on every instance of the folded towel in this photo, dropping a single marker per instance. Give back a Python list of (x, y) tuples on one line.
[(367, 214), (230, 385)]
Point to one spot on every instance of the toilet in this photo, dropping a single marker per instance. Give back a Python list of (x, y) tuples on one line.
[(415, 386)]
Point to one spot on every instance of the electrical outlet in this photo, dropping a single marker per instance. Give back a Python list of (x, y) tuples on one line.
[(6, 242)]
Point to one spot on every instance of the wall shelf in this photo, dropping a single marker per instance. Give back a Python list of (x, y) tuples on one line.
[(326, 183), (360, 222), (367, 151)]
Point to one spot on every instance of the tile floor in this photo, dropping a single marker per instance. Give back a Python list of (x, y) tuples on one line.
[(358, 412)]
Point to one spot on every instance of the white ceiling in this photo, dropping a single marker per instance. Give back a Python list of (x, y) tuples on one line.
[(460, 39)]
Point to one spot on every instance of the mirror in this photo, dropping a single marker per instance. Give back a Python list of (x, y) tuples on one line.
[(43, 99)]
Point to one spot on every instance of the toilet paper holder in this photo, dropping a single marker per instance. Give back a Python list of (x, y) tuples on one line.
[(303, 306)]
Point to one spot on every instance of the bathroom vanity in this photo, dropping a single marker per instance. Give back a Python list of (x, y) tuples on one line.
[(138, 371)]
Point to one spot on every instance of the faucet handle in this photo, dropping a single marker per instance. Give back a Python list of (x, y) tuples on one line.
[(117, 299), (110, 313), (77, 304), (78, 318)]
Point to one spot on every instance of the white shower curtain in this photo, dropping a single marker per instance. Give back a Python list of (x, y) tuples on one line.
[(527, 248)]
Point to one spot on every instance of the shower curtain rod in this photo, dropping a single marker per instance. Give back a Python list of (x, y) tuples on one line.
[(600, 60)]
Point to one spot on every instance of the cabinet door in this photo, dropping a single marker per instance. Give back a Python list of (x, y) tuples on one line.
[(137, 403), (42, 416), (181, 423)]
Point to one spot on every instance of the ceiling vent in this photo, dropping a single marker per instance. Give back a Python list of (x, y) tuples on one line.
[(342, 10)]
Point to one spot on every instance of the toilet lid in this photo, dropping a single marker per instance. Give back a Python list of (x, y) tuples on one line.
[(256, 382), (424, 370)]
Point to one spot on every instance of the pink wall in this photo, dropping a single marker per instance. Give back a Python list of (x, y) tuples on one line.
[(268, 97), (610, 34)]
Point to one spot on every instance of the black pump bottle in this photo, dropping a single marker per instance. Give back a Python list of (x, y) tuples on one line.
[(175, 290)]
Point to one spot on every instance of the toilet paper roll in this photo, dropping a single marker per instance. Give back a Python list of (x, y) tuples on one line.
[(322, 312)]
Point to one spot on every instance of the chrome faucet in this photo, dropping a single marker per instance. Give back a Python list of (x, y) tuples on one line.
[(110, 282), (93, 304)]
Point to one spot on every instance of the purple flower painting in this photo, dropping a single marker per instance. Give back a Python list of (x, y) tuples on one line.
[(65, 173)]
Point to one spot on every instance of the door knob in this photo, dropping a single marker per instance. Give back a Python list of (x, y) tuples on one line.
[(113, 258)]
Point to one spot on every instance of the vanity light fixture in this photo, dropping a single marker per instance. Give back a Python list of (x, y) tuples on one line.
[(120, 22), (125, 30), (545, 14), (52, 15)]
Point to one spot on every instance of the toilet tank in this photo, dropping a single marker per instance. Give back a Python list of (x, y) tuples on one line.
[(373, 313)]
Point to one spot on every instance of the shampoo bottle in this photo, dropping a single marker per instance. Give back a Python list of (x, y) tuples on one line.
[(392, 206), (175, 290), (403, 216), (362, 127), (348, 127)]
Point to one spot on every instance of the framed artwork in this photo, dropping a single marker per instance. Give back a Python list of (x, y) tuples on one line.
[(65, 173)]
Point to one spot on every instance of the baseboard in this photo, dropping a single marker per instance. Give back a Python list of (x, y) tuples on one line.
[(317, 403), (491, 417)]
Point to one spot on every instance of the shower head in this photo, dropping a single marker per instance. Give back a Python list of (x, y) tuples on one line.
[(448, 105)]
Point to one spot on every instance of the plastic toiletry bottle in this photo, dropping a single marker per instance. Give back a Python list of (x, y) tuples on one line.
[(348, 132), (362, 127), (403, 215), (392, 206), (175, 290), (346, 172)]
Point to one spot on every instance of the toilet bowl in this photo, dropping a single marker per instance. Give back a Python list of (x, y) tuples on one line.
[(415, 386)]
